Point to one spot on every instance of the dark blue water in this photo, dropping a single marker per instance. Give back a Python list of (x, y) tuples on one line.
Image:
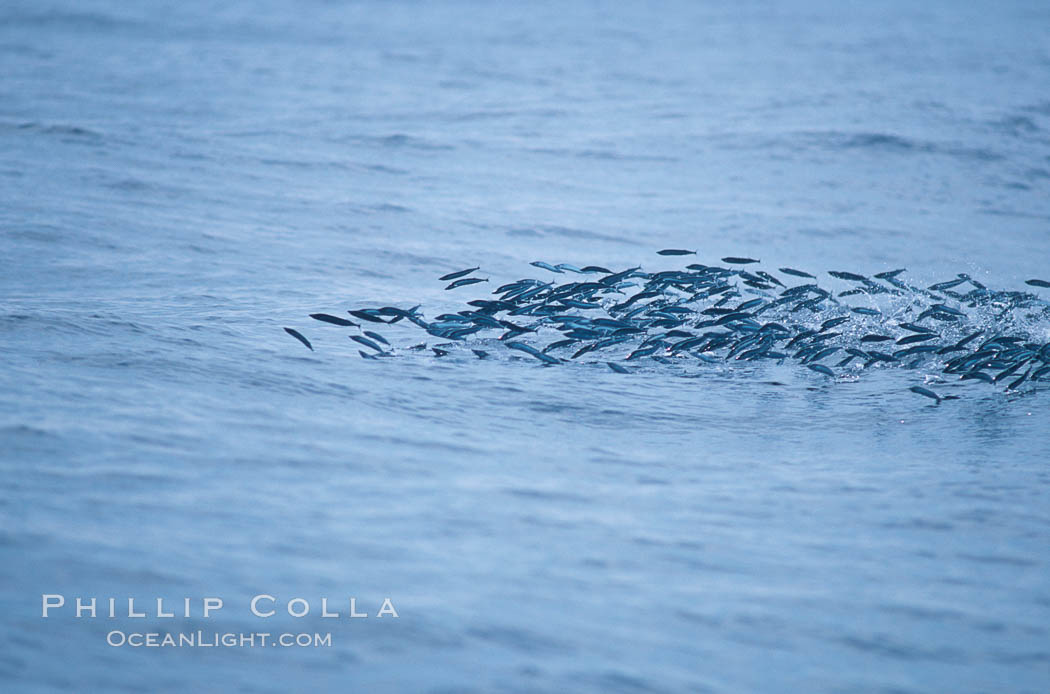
[(179, 183)]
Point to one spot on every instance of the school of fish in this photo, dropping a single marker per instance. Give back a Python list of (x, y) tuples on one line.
[(731, 313)]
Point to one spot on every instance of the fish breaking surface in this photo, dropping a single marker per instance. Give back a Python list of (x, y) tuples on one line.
[(710, 315)]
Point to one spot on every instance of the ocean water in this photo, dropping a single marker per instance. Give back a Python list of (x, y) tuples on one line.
[(179, 182)]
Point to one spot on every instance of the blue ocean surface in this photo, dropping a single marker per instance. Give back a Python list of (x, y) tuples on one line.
[(179, 182)]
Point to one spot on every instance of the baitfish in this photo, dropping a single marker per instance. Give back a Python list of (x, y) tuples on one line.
[(559, 344), (617, 368), (545, 266), (334, 320), (821, 369), (583, 350), (1017, 384), (832, 322), (465, 282), (1037, 283), (720, 315), (615, 278), (675, 251), (915, 328), (766, 276), (366, 342), (573, 303), (399, 314), (851, 276), (927, 392), (889, 275), (1007, 372), (822, 353), (796, 273), (377, 336), (298, 336), (367, 314), (456, 275), (941, 308), (918, 349), (942, 286), (532, 351), (733, 260), (750, 304), (912, 339)]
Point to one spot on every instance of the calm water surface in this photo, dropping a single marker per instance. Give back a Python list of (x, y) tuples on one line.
[(180, 182)]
